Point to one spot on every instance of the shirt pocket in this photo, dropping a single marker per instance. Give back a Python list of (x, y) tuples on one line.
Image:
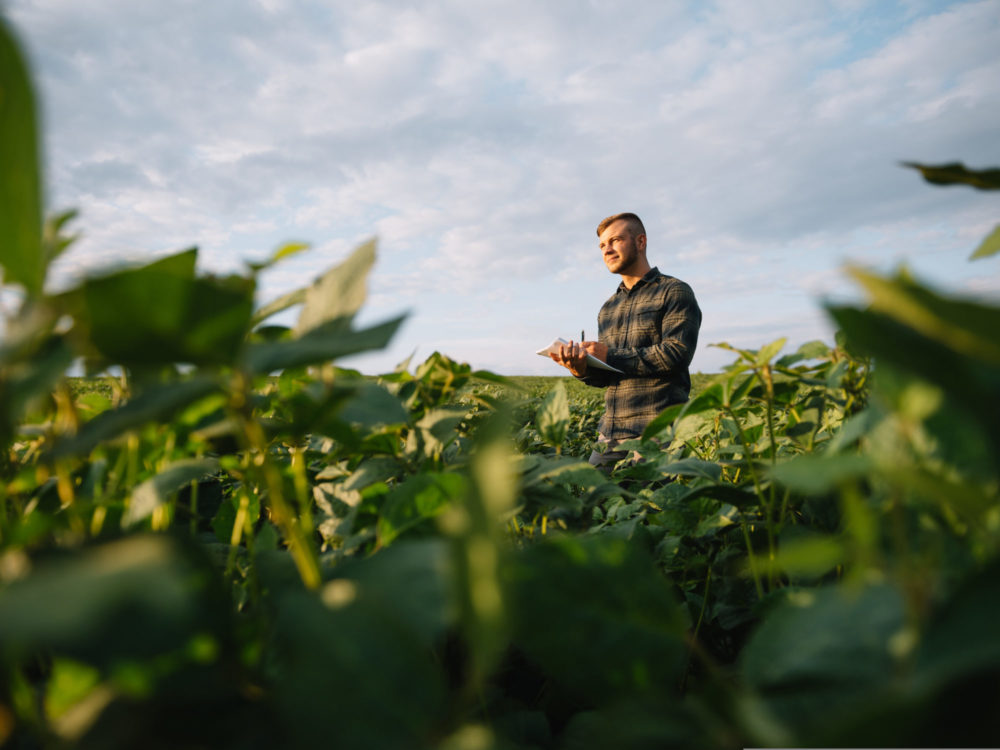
[(646, 329)]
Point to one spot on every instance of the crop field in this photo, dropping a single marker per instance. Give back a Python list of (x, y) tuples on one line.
[(264, 549)]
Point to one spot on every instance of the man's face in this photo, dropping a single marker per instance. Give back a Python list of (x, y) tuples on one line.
[(618, 247)]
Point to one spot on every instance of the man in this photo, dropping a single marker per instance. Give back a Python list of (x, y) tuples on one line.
[(648, 329)]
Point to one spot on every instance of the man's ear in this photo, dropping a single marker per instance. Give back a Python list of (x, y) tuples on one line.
[(640, 243)]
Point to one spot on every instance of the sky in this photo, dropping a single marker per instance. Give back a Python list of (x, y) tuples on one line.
[(481, 142)]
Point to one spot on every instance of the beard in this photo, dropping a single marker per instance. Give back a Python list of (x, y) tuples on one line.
[(623, 261)]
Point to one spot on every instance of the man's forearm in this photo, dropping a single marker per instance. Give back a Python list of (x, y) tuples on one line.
[(659, 359)]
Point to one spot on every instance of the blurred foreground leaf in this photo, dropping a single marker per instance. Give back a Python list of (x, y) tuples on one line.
[(319, 345), (955, 173), (553, 416), (334, 298), (577, 600), (133, 598), (162, 313), (20, 184)]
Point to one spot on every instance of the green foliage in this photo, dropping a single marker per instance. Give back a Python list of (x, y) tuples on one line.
[(285, 553), (21, 253)]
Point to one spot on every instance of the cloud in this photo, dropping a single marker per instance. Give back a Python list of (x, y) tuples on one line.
[(483, 142)]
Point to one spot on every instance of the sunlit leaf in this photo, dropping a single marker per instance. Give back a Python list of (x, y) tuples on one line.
[(767, 353), (693, 467), (710, 398), (338, 294), (284, 251), (552, 416), (662, 421), (560, 469), (809, 350), (989, 246), (155, 491), (416, 500), (296, 297)]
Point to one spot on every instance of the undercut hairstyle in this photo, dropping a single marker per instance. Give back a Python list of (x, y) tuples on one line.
[(634, 224)]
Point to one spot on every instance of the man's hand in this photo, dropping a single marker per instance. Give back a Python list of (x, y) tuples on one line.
[(597, 349), (573, 357)]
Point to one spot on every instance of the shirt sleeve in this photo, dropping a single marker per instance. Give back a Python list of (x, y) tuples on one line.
[(678, 338)]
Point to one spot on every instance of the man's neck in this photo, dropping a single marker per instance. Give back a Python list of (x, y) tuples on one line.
[(634, 273)]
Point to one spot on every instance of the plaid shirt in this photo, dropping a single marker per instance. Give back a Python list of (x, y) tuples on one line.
[(651, 331)]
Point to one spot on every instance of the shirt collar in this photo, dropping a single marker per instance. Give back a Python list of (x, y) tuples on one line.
[(651, 274)]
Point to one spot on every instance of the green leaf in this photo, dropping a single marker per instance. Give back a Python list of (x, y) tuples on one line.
[(662, 421), (285, 251), (693, 467), (319, 345), (809, 350), (960, 640), (154, 491), (374, 470), (552, 416), (562, 470), (373, 406), (821, 653), (808, 557), (338, 294), (965, 326), (491, 377), (767, 353), (710, 398), (283, 302), (989, 246), (955, 173), (27, 380), (133, 598), (968, 383), (54, 242), (817, 474), (417, 499), (156, 403), (597, 617), (20, 183), (160, 313), (377, 682), (412, 582), (723, 492)]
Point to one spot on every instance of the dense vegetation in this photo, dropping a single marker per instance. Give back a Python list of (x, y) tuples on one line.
[(261, 549)]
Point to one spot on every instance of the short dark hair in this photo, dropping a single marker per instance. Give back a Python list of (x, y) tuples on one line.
[(634, 223)]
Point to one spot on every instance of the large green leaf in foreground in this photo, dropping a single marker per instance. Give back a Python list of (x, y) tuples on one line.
[(162, 313), (20, 187)]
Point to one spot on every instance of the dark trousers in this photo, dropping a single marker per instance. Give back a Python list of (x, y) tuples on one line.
[(606, 455)]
